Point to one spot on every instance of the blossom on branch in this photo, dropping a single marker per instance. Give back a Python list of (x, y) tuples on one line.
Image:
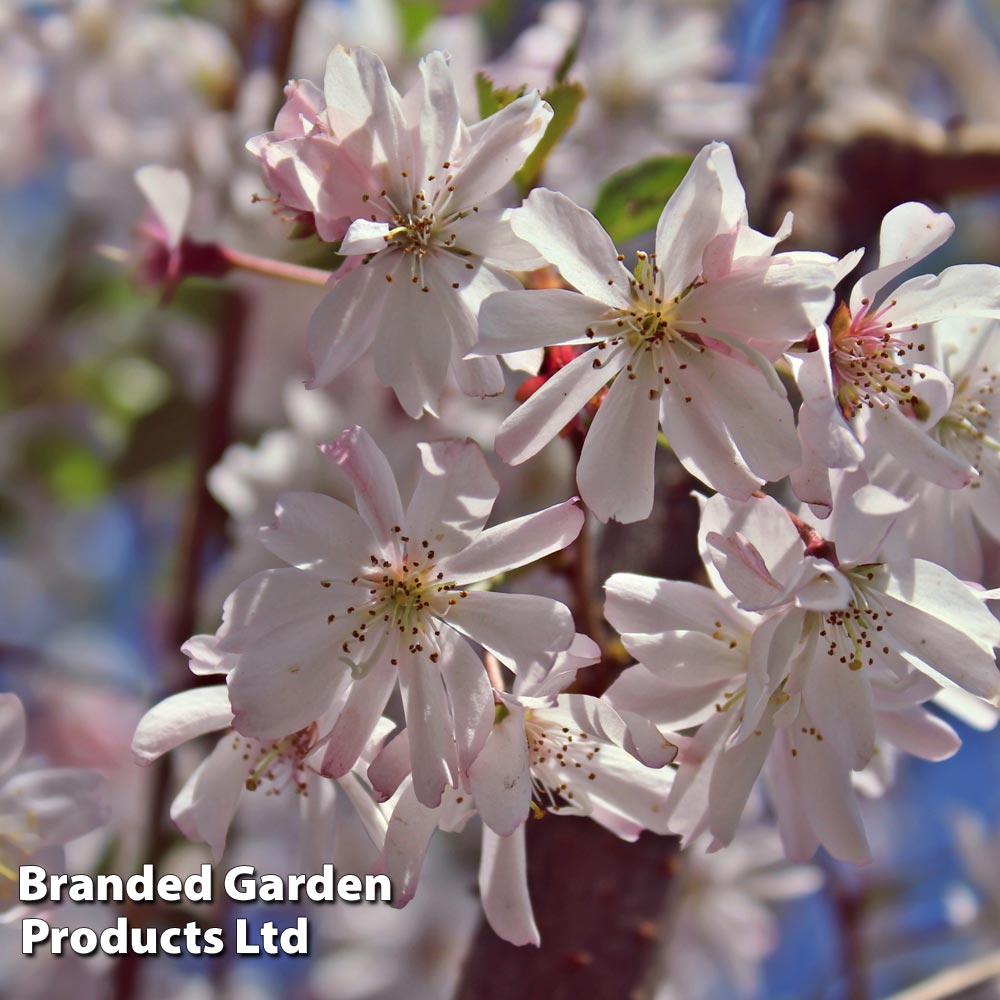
[(404, 184), (565, 754), (867, 376), (813, 650), (206, 805), (381, 595), (684, 337)]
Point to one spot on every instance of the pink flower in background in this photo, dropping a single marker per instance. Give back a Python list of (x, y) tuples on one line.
[(164, 226), (382, 595), (41, 809), (677, 336)]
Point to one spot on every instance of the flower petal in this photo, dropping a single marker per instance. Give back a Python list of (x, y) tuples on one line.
[(515, 543), (575, 242), (366, 700), (499, 778), (616, 469), (453, 497), (517, 628), (469, 694), (693, 217), (407, 838), (544, 414), (497, 148), (314, 532), (343, 325), (375, 490), (180, 718), (503, 886), (916, 731), (519, 321), (908, 234), (168, 192), (206, 805)]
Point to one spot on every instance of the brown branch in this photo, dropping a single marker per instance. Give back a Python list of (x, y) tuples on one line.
[(837, 139), (598, 902), (203, 518)]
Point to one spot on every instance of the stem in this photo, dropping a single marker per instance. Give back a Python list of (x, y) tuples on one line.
[(274, 268)]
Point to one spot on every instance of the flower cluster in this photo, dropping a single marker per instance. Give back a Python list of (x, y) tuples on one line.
[(842, 600)]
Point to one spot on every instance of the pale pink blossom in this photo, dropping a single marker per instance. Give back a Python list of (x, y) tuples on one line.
[(383, 595), (725, 923), (567, 754), (207, 803), (41, 809), (286, 163), (944, 525), (403, 183), (870, 360), (811, 653), (163, 227), (682, 337)]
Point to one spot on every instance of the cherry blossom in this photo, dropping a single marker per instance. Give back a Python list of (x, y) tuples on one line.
[(834, 652), (566, 754), (869, 360), (41, 809), (380, 595), (677, 336), (946, 525), (206, 805), (161, 233), (726, 922), (403, 182)]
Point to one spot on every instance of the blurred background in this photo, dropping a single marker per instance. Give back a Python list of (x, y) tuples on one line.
[(142, 444)]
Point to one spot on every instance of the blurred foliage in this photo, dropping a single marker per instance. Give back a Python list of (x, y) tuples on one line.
[(631, 200), (73, 472), (415, 17)]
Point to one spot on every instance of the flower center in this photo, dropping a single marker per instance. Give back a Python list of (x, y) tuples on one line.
[(558, 757), (867, 360), (852, 633), (405, 597), (969, 428), (279, 763), (421, 222), (648, 327)]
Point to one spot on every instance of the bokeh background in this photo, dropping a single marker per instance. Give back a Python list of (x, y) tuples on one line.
[(142, 444)]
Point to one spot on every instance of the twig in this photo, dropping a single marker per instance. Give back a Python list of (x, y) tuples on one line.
[(951, 982)]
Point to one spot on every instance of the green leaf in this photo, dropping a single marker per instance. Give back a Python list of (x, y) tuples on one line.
[(565, 99), (415, 17), (491, 97), (631, 200)]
